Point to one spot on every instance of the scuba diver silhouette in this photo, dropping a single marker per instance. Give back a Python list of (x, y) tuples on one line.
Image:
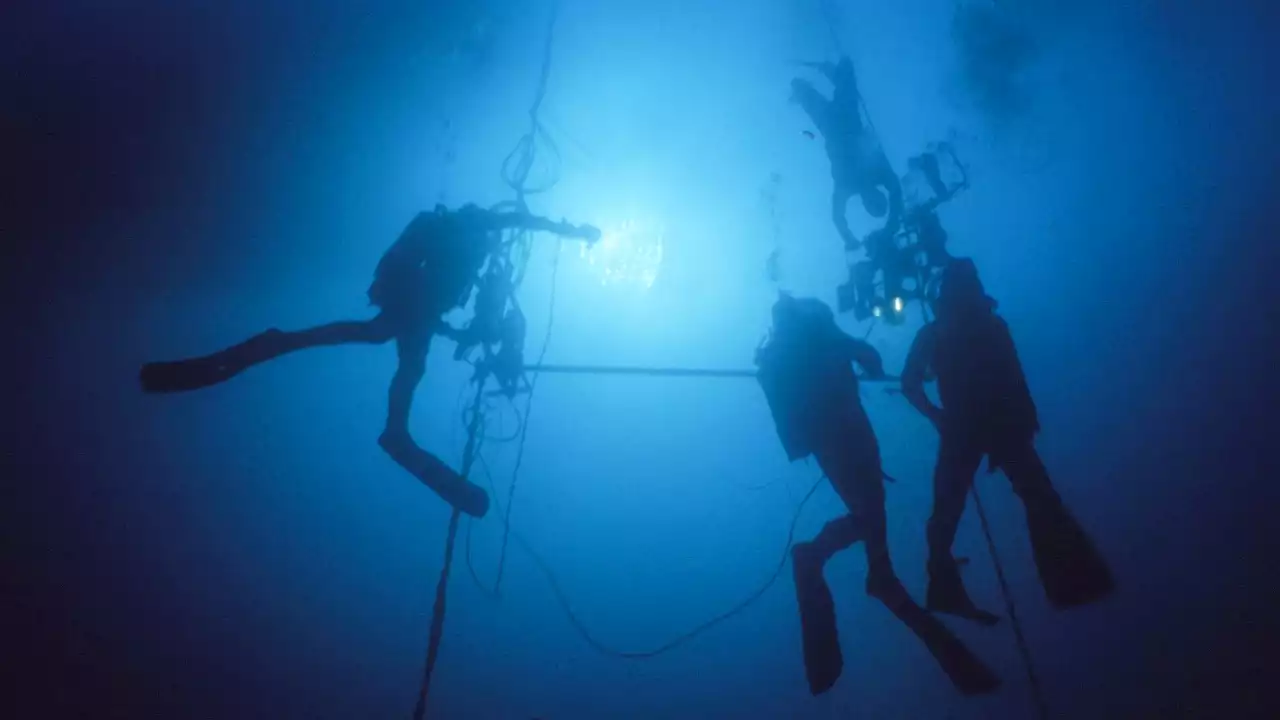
[(858, 163), (987, 410), (427, 272), (859, 166), (805, 370)]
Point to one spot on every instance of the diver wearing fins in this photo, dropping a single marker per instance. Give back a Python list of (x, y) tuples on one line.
[(805, 370), (428, 271), (987, 410), (858, 163)]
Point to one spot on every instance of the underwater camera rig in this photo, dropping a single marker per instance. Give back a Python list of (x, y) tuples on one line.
[(908, 266), (497, 329)]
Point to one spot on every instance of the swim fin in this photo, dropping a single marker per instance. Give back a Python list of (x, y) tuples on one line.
[(180, 375), (823, 661), (431, 471), (966, 671), (1071, 569), (202, 372)]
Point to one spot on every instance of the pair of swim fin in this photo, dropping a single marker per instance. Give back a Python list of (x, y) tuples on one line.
[(1071, 570), (823, 659)]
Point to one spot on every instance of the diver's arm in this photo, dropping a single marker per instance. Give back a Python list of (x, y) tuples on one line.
[(528, 221), (833, 70), (913, 373), (861, 352), (826, 68)]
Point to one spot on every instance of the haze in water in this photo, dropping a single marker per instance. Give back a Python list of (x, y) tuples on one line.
[(178, 177)]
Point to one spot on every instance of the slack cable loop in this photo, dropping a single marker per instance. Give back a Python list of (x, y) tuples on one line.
[(583, 632), (525, 151)]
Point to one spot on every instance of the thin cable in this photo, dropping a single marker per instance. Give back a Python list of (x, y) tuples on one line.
[(524, 430), (1037, 693), (519, 162), (828, 17), (493, 492)]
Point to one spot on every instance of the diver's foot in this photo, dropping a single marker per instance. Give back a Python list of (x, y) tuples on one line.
[(394, 440), (884, 586), (947, 595)]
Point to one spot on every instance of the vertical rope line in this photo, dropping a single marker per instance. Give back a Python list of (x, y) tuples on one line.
[(437, 613), (1037, 693)]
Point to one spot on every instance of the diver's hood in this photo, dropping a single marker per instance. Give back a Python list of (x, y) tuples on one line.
[(800, 316), (961, 289)]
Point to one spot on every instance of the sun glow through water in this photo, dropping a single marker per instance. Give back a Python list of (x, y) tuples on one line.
[(628, 254)]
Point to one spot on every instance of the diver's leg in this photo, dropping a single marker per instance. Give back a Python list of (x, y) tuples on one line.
[(958, 460), (864, 496), (397, 443), (952, 477), (1071, 569), (344, 332), (411, 349), (835, 536), (194, 373), (855, 474), (933, 175), (840, 195), (871, 516)]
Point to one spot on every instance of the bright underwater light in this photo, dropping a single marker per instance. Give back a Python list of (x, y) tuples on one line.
[(628, 254)]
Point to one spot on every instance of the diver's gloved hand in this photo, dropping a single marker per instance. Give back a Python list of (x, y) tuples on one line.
[(874, 372), (590, 233), (444, 329)]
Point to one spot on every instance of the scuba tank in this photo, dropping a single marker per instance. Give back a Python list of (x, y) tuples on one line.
[(785, 360), (777, 378)]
